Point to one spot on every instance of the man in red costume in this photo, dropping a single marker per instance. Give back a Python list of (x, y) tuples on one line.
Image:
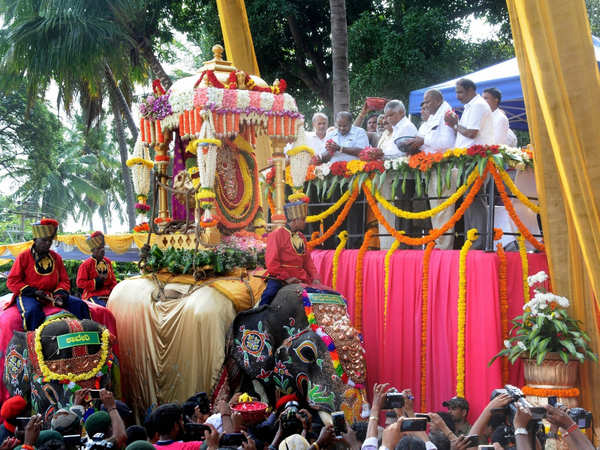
[(95, 275), (288, 258), (38, 277)]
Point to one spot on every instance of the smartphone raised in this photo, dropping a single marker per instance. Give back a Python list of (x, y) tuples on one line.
[(423, 416), (472, 440), (393, 400), (95, 393), (194, 431), (339, 423), (414, 424), (232, 439), (22, 422)]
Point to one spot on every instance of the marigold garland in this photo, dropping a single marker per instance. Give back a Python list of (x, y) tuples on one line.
[(271, 203), (386, 295), (524, 266), (329, 211), (53, 376), (503, 290), (511, 210), (358, 280), (341, 217), (343, 237), (543, 392), (301, 148), (462, 312), (434, 234), (138, 160), (430, 212), (515, 190), (424, 314)]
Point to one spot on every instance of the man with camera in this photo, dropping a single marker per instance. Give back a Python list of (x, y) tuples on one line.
[(458, 408)]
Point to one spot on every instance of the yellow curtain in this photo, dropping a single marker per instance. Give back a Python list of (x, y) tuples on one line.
[(119, 243), (75, 240), (561, 87), (15, 249)]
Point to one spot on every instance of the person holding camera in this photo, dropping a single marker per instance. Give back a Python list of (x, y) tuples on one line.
[(571, 434), (11, 409), (458, 407)]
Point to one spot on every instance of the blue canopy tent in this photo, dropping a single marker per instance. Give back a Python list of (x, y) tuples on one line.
[(504, 76)]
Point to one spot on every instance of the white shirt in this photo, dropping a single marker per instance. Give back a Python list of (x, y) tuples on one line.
[(436, 134), (356, 137), (476, 116), (503, 135), (316, 143), (403, 128)]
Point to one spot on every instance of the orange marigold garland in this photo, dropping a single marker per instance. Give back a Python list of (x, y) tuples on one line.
[(543, 392), (271, 203), (524, 266), (511, 209), (386, 292), (324, 236), (503, 290), (343, 237), (424, 308), (358, 280), (434, 234)]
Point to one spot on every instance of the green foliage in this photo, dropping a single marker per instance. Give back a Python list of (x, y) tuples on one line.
[(217, 261)]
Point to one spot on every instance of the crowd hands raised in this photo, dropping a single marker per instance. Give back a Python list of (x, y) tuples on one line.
[(97, 421)]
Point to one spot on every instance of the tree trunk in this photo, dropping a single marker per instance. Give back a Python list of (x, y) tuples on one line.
[(339, 51), (115, 91), (130, 196), (155, 65)]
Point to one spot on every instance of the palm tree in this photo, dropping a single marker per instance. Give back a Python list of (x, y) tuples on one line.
[(339, 51)]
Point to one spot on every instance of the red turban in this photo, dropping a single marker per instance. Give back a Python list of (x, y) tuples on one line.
[(286, 398), (13, 407)]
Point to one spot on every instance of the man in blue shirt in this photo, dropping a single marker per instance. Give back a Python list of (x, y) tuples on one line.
[(345, 142)]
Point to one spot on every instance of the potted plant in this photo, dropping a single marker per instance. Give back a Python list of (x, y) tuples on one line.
[(550, 341)]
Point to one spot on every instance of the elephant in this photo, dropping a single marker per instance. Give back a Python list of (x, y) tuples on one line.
[(64, 354), (302, 342)]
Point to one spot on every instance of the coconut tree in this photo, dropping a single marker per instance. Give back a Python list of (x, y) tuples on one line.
[(339, 51)]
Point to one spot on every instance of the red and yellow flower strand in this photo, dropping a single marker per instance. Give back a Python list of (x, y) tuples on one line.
[(503, 291), (524, 266), (358, 280), (343, 237), (424, 314)]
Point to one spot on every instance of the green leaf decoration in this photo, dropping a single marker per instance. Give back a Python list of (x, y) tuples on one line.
[(382, 178), (569, 346), (404, 183), (394, 187), (448, 176), (361, 179), (438, 180), (564, 357), (481, 165), (418, 187), (461, 168), (374, 183)]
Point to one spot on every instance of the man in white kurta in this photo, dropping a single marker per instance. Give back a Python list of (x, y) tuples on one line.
[(315, 139), (502, 134)]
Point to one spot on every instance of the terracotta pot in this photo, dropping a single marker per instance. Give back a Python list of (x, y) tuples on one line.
[(376, 103), (553, 373)]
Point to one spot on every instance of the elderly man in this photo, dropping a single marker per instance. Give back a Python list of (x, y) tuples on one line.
[(316, 138), (474, 127), (434, 136), (95, 275), (346, 141), (503, 135), (38, 277)]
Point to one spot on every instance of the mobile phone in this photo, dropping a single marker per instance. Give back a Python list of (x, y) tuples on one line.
[(339, 423), (22, 422), (538, 412), (473, 440), (72, 439), (423, 416), (232, 439), (393, 400), (552, 400), (194, 431), (414, 424), (95, 393), (485, 446)]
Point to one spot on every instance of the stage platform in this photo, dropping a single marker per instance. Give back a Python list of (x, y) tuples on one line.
[(393, 349)]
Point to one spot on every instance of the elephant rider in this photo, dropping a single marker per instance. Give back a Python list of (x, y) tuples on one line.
[(38, 277), (11, 409), (95, 275), (288, 257)]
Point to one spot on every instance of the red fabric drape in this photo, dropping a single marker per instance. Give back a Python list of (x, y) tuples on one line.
[(395, 356)]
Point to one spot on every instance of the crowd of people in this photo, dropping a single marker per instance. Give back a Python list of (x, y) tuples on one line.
[(482, 122), (289, 424)]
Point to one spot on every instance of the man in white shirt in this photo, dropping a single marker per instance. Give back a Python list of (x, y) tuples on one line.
[(345, 142), (503, 135), (395, 114), (315, 139), (436, 136), (475, 127)]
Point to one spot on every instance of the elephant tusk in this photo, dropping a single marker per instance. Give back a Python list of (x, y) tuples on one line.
[(325, 418)]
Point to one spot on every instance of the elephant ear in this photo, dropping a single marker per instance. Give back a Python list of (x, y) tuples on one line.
[(16, 375), (252, 345)]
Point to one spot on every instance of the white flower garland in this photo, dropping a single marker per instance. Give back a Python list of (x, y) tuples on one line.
[(141, 173)]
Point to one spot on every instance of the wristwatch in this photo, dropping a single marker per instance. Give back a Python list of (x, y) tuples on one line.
[(521, 430), (341, 149)]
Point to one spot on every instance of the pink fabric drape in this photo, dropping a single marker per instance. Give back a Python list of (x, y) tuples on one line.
[(394, 355)]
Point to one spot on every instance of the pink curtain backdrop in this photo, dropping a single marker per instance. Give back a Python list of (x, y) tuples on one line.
[(393, 351), (10, 320)]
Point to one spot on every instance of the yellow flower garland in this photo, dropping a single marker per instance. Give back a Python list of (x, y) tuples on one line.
[(524, 266), (386, 289), (192, 147), (515, 190), (52, 376), (343, 237), (462, 312), (430, 212), (137, 160), (355, 166), (329, 211), (301, 148), (424, 315)]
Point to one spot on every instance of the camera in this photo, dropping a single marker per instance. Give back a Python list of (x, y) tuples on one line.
[(97, 442), (414, 424), (194, 431), (290, 422), (232, 440), (339, 423), (472, 440), (537, 412), (581, 417), (393, 400)]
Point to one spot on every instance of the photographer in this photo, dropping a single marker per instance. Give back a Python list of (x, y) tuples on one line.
[(168, 422), (11, 409), (558, 417), (481, 425)]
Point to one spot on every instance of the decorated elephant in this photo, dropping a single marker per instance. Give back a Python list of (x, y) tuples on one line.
[(302, 342), (64, 354)]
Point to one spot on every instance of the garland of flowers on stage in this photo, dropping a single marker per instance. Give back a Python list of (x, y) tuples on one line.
[(343, 237), (49, 375), (503, 290), (424, 315), (511, 210), (340, 219), (524, 266), (543, 392), (358, 279), (462, 312), (515, 190), (386, 291), (329, 211), (335, 358)]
